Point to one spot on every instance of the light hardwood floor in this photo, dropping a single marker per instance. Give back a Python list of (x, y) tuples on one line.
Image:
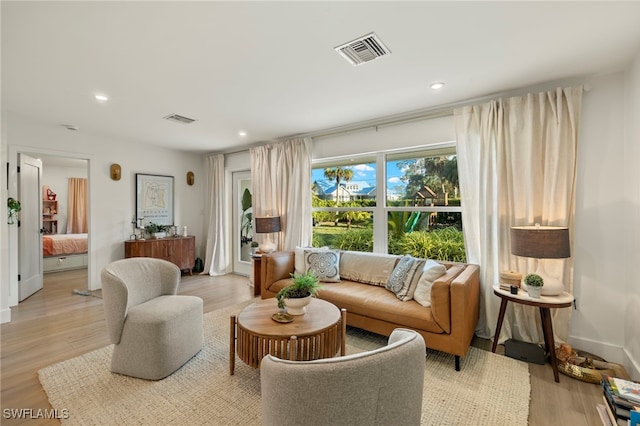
[(54, 325)]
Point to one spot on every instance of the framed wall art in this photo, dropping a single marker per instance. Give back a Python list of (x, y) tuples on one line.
[(154, 199)]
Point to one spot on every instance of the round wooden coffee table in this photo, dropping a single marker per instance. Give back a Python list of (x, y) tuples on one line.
[(320, 333)]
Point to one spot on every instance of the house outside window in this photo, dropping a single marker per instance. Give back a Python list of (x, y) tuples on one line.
[(404, 202)]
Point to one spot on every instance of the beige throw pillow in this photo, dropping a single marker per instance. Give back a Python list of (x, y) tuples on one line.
[(431, 271), (368, 268)]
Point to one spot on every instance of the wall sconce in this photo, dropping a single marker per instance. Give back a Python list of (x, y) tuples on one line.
[(190, 178), (116, 172)]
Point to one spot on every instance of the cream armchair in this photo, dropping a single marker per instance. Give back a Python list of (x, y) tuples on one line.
[(154, 331), (379, 387)]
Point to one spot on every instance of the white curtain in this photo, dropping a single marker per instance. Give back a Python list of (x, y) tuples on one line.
[(517, 166), (216, 262), (281, 186)]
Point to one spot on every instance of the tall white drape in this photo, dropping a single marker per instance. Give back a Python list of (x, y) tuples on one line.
[(281, 186), (216, 261), (517, 166)]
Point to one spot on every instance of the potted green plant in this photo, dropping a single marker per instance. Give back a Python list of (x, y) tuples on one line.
[(254, 247), (156, 230), (534, 284), (298, 295), (13, 207)]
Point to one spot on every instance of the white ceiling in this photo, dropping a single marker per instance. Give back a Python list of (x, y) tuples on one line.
[(269, 68)]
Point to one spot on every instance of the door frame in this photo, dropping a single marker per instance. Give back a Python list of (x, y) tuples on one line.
[(13, 151)]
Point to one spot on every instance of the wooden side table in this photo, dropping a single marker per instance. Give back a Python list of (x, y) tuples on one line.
[(257, 273), (544, 303)]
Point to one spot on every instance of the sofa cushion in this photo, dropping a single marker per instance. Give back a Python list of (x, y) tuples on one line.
[(405, 277), (325, 264), (368, 268), (431, 271), (378, 303)]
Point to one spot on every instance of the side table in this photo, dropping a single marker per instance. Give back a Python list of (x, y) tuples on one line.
[(544, 303)]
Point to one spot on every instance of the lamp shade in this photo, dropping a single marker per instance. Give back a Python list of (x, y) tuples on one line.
[(267, 225), (540, 242)]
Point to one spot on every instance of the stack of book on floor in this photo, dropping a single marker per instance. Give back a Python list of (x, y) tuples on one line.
[(622, 401)]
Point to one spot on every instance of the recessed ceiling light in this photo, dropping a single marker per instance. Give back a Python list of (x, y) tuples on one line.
[(101, 98), (438, 85), (242, 133)]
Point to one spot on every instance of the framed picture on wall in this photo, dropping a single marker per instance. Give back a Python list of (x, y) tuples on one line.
[(154, 199)]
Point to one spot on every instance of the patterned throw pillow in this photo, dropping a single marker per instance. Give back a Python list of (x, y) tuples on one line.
[(405, 277), (325, 264)]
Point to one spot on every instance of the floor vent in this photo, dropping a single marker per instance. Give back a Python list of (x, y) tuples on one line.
[(363, 49), (179, 119)]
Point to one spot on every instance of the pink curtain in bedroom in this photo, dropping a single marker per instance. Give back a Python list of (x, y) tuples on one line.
[(77, 216)]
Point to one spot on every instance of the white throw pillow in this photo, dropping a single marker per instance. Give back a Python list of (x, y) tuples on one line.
[(404, 278), (325, 264), (432, 271)]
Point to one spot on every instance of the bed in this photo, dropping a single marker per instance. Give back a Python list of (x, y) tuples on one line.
[(62, 252)]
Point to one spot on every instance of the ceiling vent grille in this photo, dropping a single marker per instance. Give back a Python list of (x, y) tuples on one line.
[(363, 49), (179, 119)]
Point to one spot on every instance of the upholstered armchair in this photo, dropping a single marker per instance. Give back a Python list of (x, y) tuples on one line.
[(154, 331), (378, 387)]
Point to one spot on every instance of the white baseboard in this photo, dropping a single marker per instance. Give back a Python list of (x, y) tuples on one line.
[(5, 315), (632, 366), (609, 352)]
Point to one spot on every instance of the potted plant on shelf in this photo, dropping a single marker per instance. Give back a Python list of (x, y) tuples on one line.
[(298, 295), (254, 247), (155, 230), (534, 284), (13, 207)]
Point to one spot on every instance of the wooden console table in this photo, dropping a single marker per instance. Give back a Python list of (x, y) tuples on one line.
[(178, 250), (544, 303)]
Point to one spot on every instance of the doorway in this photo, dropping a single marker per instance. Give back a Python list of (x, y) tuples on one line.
[(50, 217)]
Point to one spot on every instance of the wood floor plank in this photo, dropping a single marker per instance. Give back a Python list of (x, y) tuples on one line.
[(54, 325)]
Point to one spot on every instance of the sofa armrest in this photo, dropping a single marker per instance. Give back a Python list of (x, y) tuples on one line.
[(276, 266), (465, 306)]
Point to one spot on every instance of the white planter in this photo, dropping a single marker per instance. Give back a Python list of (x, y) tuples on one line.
[(297, 306), (159, 234), (534, 291)]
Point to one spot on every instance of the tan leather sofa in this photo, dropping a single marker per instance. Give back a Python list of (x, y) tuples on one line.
[(448, 325)]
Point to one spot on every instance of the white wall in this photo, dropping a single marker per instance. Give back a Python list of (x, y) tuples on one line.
[(111, 203), (631, 315)]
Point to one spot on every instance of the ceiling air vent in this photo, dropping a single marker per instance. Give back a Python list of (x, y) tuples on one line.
[(363, 49), (179, 119)]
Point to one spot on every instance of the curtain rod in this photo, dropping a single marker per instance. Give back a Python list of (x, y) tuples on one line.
[(403, 118)]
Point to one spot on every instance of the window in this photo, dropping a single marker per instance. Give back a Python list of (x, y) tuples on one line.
[(417, 212)]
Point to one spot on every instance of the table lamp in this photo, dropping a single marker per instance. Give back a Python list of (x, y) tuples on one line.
[(542, 242), (267, 225)]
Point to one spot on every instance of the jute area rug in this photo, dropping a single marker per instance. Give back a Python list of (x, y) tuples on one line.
[(489, 390)]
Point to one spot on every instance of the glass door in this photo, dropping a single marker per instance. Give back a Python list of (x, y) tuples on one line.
[(242, 223)]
